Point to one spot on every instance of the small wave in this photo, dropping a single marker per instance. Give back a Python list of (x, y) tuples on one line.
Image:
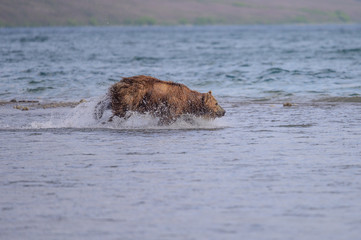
[(276, 70), (324, 73), (52, 74), (34, 39), (296, 125), (349, 50), (355, 99), (297, 73), (36, 82), (38, 89), (272, 73), (230, 76), (146, 59), (268, 75), (278, 93)]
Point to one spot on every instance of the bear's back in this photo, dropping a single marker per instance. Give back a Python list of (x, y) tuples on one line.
[(148, 81)]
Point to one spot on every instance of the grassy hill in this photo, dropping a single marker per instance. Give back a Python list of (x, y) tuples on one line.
[(172, 12)]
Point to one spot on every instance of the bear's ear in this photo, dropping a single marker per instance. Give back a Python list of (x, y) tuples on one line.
[(205, 97), (210, 92)]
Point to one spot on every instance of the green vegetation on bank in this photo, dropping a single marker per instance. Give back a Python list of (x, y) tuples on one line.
[(241, 4), (336, 16), (145, 20), (207, 21), (343, 17)]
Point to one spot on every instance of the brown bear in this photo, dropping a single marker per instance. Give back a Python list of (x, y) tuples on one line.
[(163, 99)]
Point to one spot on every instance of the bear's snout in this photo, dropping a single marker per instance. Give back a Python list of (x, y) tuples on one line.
[(221, 112)]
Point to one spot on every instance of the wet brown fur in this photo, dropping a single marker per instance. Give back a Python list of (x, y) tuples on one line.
[(164, 99)]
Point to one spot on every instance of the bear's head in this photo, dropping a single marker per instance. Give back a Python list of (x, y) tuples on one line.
[(211, 107)]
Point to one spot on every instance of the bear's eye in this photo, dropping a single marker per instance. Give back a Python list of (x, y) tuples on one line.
[(216, 103)]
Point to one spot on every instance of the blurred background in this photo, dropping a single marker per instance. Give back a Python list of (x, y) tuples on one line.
[(172, 12)]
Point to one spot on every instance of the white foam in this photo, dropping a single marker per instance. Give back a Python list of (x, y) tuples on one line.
[(146, 121), (82, 116), (79, 117)]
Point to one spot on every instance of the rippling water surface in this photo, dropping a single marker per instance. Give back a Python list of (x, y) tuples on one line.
[(264, 171)]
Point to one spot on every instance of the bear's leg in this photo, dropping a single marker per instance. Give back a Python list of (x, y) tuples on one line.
[(121, 113), (188, 119), (164, 120), (125, 117), (168, 118), (165, 114), (102, 105)]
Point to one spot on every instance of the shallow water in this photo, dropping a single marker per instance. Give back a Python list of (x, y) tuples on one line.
[(264, 171)]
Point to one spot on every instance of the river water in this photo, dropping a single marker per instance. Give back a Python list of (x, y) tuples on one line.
[(263, 171)]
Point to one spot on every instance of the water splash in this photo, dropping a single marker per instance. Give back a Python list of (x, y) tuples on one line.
[(82, 117)]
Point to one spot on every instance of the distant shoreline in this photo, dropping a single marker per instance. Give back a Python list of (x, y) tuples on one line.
[(52, 13), (188, 25)]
